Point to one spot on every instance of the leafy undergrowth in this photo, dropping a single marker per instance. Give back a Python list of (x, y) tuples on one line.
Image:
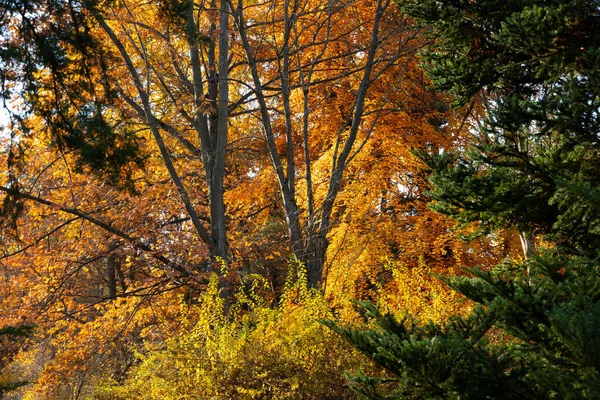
[(257, 352)]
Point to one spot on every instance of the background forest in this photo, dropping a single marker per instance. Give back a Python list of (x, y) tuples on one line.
[(194, 194)]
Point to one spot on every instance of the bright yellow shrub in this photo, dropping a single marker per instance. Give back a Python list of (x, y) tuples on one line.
[(259, 353)]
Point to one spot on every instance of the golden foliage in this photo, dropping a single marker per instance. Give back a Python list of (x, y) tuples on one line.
[(263, 353), (115, 320)]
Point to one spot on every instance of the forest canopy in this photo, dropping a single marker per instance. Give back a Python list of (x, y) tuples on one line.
[(189, 187)]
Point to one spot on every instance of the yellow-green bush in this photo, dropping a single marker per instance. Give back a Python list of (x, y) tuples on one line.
[(257, 352)]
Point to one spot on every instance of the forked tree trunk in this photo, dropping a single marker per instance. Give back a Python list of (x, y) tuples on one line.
[(309, 243)]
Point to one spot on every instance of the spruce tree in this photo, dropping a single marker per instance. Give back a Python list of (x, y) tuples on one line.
[(535, 166)]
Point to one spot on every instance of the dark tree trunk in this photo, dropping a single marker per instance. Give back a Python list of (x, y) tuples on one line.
[(111, 272), (316, 249)]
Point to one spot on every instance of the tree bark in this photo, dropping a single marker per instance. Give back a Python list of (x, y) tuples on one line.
[(216, 184), (308, 243), (527, 244), (111, 273), (316, 249)]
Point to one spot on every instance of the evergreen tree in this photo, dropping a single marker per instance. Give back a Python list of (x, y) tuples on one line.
[(535, 166), (52, 66)]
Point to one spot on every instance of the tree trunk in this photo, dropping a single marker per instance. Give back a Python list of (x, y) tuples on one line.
[(527, 244), (111, 272), (308, 242), (528, 249), (316, 249), (217, 205)]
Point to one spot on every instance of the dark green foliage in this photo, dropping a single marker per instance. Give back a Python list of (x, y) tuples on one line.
[(102, 147), (506, 46), (537, 161), (535, 166), (16, 331), (547, 345), (55, 69), (539, 176)]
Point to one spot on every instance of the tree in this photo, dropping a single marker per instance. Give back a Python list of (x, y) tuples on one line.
[(170, 74), (120, 95), (533, 166), (96, 108), (328, 61)]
